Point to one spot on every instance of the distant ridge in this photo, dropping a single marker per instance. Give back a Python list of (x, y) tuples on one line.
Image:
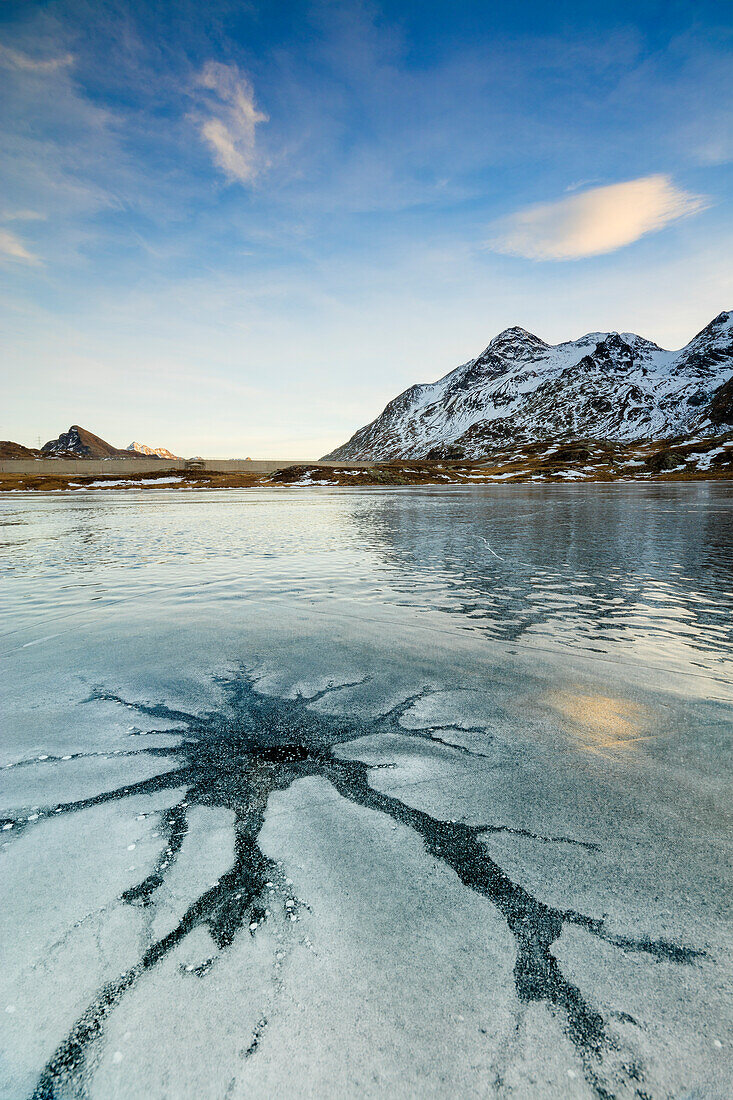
[(606, 385), (79, 442), (150, 452)]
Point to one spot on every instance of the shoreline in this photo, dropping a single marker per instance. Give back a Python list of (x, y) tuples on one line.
[(376, 477), (570, 462)]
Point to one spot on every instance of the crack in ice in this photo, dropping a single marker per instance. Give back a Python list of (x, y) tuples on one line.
[(259, 744)]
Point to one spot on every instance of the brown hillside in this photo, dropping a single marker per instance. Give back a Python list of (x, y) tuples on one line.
[(82, 443), (8, 449)]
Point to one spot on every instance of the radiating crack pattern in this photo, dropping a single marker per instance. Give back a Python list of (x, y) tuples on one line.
[(256, 744)]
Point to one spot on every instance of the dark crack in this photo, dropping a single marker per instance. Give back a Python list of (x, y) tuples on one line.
[(175, 827), (257, 744), (432, 736), (589, 845), (256, 1037)]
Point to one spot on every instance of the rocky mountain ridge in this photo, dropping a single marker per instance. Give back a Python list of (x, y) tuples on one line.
[(79, 442), (520, 389), (150, 452)]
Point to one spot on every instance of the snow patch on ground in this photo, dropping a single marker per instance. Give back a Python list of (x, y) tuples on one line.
[(127, 482), (704, 459)]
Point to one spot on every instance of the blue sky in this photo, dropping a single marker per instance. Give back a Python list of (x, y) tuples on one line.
[(240, 228)]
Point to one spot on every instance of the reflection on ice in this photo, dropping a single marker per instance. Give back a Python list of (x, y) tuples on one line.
[(601, 724)]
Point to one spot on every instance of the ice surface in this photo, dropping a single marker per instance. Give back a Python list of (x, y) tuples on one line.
[(63, 929), (336, 787)]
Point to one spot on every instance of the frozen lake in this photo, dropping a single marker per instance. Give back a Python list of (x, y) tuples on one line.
[(350, 793)]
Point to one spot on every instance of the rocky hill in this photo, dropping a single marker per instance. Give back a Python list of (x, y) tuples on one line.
[(80, 443), (8, 449), (519, 390)]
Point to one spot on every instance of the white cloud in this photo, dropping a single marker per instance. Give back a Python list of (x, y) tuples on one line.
[(14, 59), (229, 131), (12, 248), (592, 222)]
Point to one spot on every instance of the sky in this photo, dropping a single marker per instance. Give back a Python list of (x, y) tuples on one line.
[(240, 228)]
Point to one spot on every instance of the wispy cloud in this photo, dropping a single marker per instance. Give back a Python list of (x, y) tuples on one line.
[(12, 248), (230, 129), (22, 216), (14, 59), (580, 185), (592, 222)]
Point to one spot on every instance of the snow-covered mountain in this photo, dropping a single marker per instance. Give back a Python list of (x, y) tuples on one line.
[(606, 385), (153, 452)]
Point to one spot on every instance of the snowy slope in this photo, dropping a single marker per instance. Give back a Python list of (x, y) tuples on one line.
[(606, 385), (153, 452)]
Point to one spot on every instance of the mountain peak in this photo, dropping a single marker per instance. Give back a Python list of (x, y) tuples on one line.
[(512, 343), (82, 443), (151, 452), (516, 336), (720, 326)]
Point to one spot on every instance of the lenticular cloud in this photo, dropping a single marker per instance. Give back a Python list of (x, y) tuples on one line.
[(592, 222)]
